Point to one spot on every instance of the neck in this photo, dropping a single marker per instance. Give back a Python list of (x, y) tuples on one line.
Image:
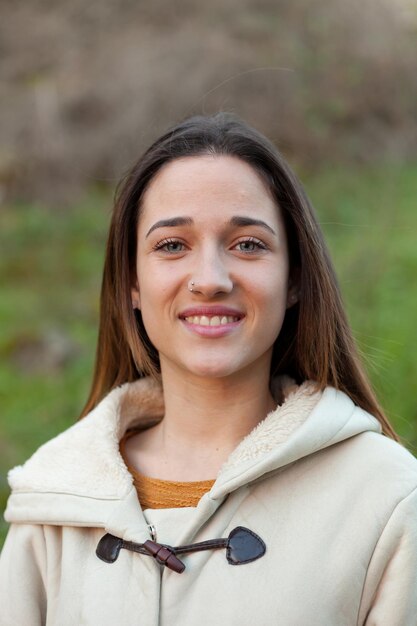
[(205, 419), (213, 413)]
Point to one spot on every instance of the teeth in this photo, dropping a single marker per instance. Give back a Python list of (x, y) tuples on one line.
[(216, 320)]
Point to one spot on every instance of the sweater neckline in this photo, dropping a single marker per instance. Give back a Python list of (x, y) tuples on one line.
[(156, 493)]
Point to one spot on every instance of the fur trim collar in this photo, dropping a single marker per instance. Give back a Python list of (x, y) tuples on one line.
[(85, 459)]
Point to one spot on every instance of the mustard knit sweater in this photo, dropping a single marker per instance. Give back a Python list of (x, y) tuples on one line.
[(154, 493)]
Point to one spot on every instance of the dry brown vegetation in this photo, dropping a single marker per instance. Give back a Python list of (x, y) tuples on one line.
[(86, 85)]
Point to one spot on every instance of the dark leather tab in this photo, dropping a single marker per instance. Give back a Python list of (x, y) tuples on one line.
[(108, 548), (244, 546)]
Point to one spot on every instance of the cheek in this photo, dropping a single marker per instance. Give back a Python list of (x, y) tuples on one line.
[(153, 327), (270, 290), (156, 293), (155, 297), (270, 300)]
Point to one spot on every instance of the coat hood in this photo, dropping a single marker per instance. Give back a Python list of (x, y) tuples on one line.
[(79, 478)]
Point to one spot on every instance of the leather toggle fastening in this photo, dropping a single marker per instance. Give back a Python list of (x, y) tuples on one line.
[(164, 556), (242, 546)]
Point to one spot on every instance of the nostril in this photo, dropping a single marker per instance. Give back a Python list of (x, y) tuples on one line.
[(210, 283)]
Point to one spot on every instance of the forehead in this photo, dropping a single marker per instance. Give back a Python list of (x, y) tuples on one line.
[(209, 187)]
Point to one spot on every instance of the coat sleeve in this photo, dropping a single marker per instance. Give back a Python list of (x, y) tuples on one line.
[(390, 591), (22, 577)]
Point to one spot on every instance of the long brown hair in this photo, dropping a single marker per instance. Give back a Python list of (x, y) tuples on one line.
[(315, 342)]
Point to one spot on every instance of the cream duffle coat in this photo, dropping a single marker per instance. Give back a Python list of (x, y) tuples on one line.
[(333, 501)]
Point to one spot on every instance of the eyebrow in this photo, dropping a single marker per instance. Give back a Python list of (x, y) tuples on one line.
[(237, 220), (174, 221)]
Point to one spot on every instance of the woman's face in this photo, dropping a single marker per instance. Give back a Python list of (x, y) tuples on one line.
[(211, 220)]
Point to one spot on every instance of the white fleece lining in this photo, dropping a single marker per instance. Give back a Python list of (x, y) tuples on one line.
[(277, 425), (85, 459)]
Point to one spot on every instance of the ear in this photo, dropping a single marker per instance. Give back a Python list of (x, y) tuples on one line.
[(292, 298), (135, 295), (293, 293)]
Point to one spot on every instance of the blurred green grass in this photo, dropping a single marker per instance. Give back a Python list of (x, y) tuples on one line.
[(50, 274)]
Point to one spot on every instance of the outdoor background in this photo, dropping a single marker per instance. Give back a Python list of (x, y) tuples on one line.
[(85, 86)]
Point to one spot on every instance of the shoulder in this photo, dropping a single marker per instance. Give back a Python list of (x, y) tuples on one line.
[(381, 453), (358, 442), (376, 466)]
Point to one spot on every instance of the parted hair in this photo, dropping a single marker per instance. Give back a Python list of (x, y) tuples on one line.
[(315, 341)]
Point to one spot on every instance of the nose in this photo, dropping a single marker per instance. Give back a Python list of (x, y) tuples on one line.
[(211, 276)]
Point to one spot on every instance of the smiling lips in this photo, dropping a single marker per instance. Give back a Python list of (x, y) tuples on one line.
[(208, 320), (216, 320)]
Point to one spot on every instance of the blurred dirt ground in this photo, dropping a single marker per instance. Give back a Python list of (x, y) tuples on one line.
[(86, 86)]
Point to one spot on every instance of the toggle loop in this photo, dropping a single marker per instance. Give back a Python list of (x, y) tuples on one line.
[(242, 546)]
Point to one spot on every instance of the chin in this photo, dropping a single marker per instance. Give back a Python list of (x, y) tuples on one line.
[(214, 374), (215, 369)]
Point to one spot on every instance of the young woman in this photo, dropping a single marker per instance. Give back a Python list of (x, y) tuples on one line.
[(232, 465)]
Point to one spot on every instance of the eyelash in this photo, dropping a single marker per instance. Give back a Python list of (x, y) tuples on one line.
[(166, 242), (163, 243), (260, 245)]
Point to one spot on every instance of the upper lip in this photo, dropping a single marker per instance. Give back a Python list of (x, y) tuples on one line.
[(210, 311)]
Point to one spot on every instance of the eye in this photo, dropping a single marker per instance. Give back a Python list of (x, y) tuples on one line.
[(171, 246), (250, 245)]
